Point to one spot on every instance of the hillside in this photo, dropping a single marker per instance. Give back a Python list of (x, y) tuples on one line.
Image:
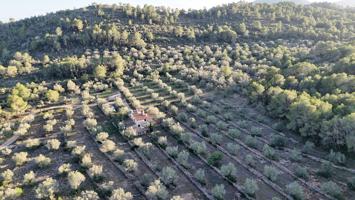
[(240, 101)]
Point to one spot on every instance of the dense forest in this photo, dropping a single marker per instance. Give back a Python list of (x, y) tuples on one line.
[(288, 68)]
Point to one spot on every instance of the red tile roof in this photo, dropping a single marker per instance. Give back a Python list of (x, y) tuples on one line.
[(140, 116)]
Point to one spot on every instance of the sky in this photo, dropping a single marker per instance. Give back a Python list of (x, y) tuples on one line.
[(20, 9)]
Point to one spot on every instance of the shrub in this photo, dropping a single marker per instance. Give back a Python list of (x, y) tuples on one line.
[(168, 175), (69, 112), (53, 144), (211, 119), (215, 158), (95, 171), (251, 141), (177, 198), (120, 194), (250, 187), (75, 179), (12, 193), (182, 116), (146, 179), (186, 137), (108, 146), (296, 155), (130, 165), (351, 183), (29, 178), (301, 172), (277, 141), (192, 122), (118, 155), (222, 125), (336, 157), (269, 152), (129, 132), (78, 150), (52, 95), (88, 195), (20, 158), (47, 189), (155, 113), (174, 109), (250, 160), (32, 143), (295, 190), (172, 151), (123, 112), (204, 130), (64, 168), (271, 172), (42, 161), (255, 131), (157, 190), (106, 187), (6, 151), (177, 129), (7, 176), (325, 169), (183, 158), (233, 148), (332, 189), (48, 128), (90, 123), (119, 102), (200, 176), (86, 161), (199, 147), (228, 116), (215, 138), (308, 147), (147, 149), (229, 171), (218, 192), (163, 141), (102, 136)]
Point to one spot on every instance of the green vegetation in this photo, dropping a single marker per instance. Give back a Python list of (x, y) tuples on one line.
[(243, 100)]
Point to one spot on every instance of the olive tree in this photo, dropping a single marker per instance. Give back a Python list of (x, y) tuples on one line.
[(87, 195), (250, 187), (218, 191), (295, 190), (120, 194), (229, 171), (168, 175), (20, 158), (47, 189), (271, 172), (130, 165), (183, 158), (29, 178), (53, 144), (200, 176), (42, 161), (75, 179), (157, 190)]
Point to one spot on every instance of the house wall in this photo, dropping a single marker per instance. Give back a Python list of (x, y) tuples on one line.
[(142, 123)]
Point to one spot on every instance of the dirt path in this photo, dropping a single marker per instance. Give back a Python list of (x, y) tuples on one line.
[(9, 141)]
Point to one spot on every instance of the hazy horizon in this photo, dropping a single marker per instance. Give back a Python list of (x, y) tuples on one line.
[(20, 9)]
